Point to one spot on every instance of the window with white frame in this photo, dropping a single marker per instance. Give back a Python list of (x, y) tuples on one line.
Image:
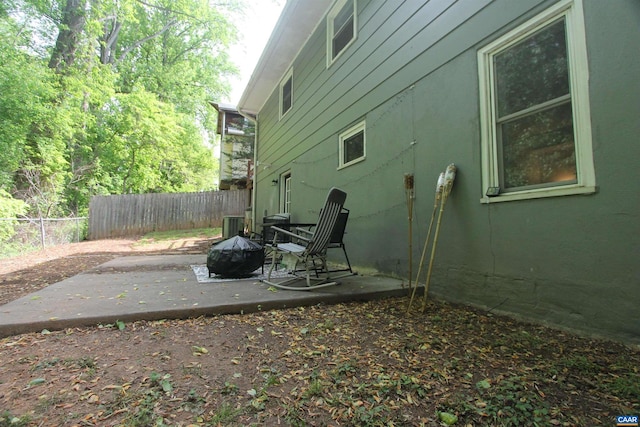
[(286, 93), (285, 199), (341, 28), (352, 144), (535, 118)]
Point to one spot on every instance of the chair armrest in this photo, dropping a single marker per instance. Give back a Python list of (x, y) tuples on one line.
[(288, 233), (305, 231)]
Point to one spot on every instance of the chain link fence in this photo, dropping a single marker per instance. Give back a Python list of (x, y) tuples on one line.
[(22, 235)]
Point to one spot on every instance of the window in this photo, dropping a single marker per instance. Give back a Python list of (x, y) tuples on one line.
[(286, 93), (352, 145), (235, 124), (341, 28), (536, 136)]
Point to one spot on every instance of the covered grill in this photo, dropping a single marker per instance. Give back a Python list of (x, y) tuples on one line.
[(235, 257)]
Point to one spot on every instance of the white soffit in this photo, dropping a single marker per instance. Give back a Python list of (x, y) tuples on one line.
[(298, 20)]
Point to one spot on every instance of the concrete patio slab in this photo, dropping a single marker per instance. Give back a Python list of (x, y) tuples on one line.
[(165, 287)]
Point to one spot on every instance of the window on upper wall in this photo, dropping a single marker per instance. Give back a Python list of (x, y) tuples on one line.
[(535, 118), (341, 28), (352, 145), (286, 93)]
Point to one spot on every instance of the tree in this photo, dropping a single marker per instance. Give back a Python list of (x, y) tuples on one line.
[(71, 27), (146, 146), (177, 50), (120, 103), (33, 127)]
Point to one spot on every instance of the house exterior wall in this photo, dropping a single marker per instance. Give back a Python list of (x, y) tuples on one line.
[(412, 75)]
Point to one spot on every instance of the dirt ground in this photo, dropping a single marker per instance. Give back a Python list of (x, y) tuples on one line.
[(357, 364)]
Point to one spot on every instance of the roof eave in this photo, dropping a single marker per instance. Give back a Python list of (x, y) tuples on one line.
[(298, 20)]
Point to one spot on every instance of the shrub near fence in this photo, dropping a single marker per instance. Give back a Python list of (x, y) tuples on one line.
[(136, 214), (23, 235)]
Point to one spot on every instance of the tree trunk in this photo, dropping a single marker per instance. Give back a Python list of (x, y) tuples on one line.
[(109, 41), (71, 27)]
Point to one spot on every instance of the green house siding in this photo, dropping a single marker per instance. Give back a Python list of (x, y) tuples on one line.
[(412, 75)]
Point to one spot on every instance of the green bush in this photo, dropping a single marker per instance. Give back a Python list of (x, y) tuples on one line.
[(10, 208)]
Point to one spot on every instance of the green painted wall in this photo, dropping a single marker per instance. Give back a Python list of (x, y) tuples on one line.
[(412, 75)]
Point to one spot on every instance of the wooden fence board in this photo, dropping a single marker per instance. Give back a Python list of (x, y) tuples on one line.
[(136, 214)]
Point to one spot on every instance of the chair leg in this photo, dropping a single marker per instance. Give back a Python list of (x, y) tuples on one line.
[(308, 274), (274, 254), (348, 268), (344, 249), (325, 267), (267, 255)]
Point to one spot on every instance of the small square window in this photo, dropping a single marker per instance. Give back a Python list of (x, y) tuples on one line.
[(286, 93), (536, 138), (341, 28), (352, 145)]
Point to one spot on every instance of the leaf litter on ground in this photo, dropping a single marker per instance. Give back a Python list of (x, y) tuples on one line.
[(349, 364)]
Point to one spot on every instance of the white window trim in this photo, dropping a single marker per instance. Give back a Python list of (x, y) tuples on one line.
[(579, 86), (330, 30), (360, 127), (285, 79), (285, 192)]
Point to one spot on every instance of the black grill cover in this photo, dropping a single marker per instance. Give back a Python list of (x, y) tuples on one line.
[(235, 257)]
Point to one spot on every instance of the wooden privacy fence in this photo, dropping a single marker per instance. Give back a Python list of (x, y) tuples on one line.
[(136, 214)]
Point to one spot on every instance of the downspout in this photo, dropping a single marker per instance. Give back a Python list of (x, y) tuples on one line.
[(255, 175)]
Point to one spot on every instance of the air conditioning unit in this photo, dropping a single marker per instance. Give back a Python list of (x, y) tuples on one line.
[(232, 226)]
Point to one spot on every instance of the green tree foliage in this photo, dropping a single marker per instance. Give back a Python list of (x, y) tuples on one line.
[(9, 208), (109, 97), (145, 146), (33, 127)]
